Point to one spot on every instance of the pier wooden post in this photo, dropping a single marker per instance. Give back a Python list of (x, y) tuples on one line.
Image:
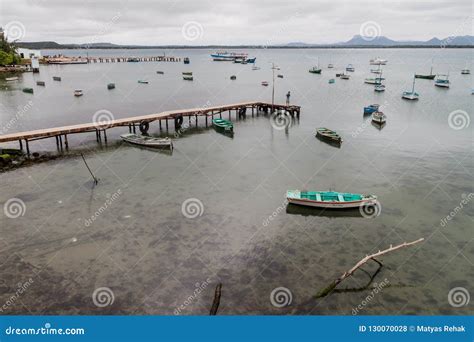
[(66, 143), (21, 145), (167, 124), (196, 117), (27, 147), (206, 120), (160, 124), (105, 135)]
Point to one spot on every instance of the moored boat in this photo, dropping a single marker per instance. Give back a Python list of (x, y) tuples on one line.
[(329, 199), (330, 66), (40, 83), (160, 72), (371, 108), (329, 135), (223, 125), (431, 76), (377, 80), (331, 81), (442, 81), (56, 78), (378, 61), (379, 88), (186, 60), (344, 77), (228, 56), (111, 86), (265, 83), (465, 72), (350, 68), (315, 70), (78, 92), (188, 73), (188, 78), (143, 81), (142, 140), (280, 76), (379, 118), (11, 79), (233, 77), (411, 95), (28, 90), (251, 60)]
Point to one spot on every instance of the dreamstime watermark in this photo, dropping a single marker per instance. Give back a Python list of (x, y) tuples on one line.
[(14, 208), (458, 297), (102, 297), (21, 288), (102, 119), (108, 202), (376, 289), (370, 30), (14, 30), (370, 209), (192, 30), (281, 297), (46, 330), (465, 200), (192, 208), (282, 29), (281, 120), (21, 111), (459, 119), (458, 30), (197, 291), (104, 29), (361, 128), (275, 213)]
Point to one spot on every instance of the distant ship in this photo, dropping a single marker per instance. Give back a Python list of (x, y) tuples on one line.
[(228, 56)]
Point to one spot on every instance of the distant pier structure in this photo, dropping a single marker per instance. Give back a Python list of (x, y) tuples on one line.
[(133, 59)]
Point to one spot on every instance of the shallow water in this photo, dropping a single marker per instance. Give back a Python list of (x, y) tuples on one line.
[(153, 257)]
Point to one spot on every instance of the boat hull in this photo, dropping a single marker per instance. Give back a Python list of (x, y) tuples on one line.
[(331, 205), (426, 77)]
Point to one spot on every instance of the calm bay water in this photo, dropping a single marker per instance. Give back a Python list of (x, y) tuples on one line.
[(153, 257)]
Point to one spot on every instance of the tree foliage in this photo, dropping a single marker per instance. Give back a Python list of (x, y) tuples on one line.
[(8, 53)]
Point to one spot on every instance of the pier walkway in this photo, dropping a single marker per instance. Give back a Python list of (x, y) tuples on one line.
[(143, 122)]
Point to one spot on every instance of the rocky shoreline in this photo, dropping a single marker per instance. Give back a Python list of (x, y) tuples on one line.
[(11, 159)]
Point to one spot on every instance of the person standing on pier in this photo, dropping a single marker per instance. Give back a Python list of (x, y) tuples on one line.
[(288, 98)]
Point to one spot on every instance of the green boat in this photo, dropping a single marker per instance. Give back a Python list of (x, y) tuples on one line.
[(28, 90), (143, 81), (329, 199), (431, 76), (315, 70), (223, 125), (328, 135), (188, 78)]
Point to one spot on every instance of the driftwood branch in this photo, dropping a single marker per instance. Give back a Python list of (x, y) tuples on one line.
[(217, 300), (324, 292)]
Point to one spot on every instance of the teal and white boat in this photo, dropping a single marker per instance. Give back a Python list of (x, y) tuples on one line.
[(223, 125), (442, 81), (329, 199)]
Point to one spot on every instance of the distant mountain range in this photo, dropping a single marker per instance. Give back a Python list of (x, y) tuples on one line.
[(355, 42)]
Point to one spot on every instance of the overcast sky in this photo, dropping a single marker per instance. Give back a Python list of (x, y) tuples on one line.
[(201, 22)]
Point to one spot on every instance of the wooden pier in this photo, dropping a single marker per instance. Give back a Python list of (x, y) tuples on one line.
[(241, 110)]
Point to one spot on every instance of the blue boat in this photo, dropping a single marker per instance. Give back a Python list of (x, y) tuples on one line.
[(371, 108)]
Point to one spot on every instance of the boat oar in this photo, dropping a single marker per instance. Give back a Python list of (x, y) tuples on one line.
[(88, 168)]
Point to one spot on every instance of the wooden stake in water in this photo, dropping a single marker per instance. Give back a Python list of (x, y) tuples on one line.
[(88, 168)]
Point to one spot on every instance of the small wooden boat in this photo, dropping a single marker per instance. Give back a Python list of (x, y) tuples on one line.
[(379, 88), (188, 73), (376, 80), (188, 78), (431, 76), (330, 66), (142, 140), (350, 68), (379, 118), (223, 125), (331, 81), (339, 74), (327, 134), (78, 92), (442, 81), (143, 81), (280, 76), (265, 83), (160, 72), (57, 78), (233, 77), (465, 72), (371, 108), (40, 83), (315, 70), (11, 79), (344, 77), (186, 60), (411, 95), (251, 60), (111, 86), (329, 199), (28, 90)]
